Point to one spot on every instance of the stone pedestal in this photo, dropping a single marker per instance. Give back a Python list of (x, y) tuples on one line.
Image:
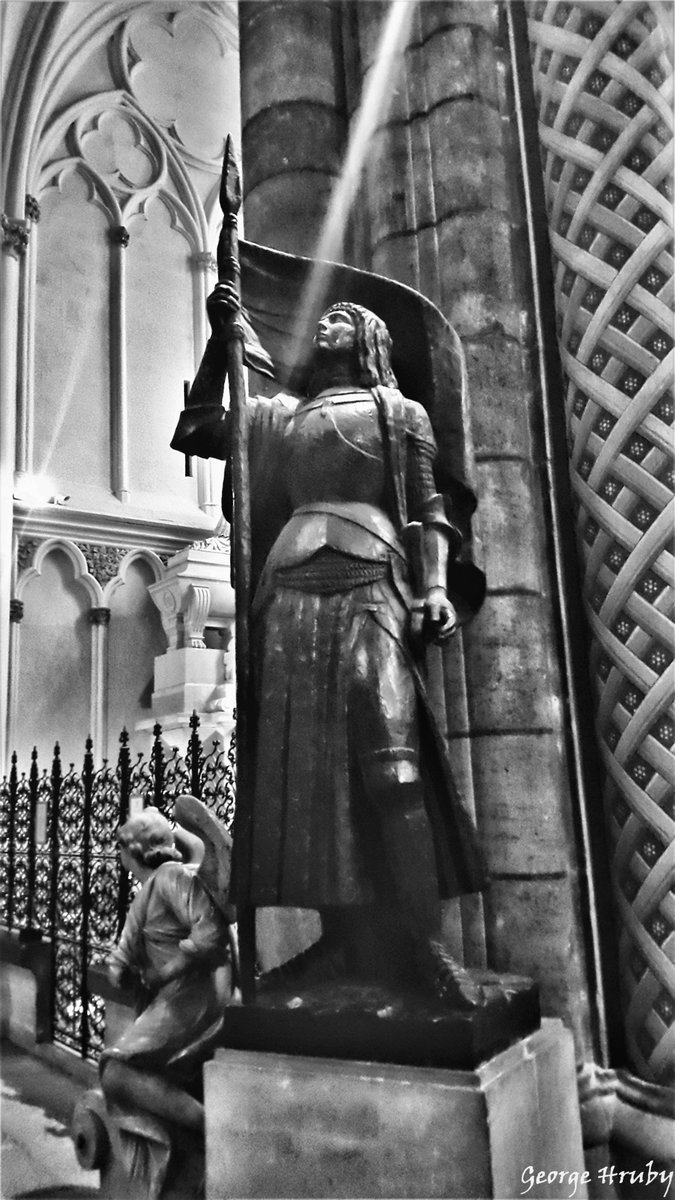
[(293, 1126), (196, 601)]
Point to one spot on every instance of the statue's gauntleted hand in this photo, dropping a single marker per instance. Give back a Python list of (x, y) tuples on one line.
[(434, 618), (221, 306)]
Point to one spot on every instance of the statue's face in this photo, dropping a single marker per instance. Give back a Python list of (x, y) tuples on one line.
[(335, 331)]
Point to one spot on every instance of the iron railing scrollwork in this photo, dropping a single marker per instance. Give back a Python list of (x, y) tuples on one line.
[(60, 876)]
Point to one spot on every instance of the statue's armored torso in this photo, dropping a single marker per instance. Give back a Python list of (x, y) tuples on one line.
[(333, 460), (333, 450)]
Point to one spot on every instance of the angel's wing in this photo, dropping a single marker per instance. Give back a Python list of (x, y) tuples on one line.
[(428, 359), (214, 869)]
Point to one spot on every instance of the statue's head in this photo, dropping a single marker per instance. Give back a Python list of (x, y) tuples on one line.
[(148, 838), (350, 332)]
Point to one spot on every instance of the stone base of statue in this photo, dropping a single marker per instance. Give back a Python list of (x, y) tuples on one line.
[(379, 1023), (139, 1156), (291, 1125)]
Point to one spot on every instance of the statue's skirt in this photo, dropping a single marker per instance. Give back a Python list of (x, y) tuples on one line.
[(333, 687)]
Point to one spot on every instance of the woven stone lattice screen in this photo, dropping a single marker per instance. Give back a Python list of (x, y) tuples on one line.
[(603, 85)]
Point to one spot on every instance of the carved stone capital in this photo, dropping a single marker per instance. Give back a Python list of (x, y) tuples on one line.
[(204, 261), (118, 235), (15, 236), (99, 616), (15, 611), (33, 211), (25, 551)]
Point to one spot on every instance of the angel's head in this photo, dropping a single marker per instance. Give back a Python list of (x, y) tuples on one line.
[(359, 340), (147, 841)]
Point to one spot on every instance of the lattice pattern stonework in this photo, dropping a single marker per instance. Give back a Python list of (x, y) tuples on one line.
[(603, 81)]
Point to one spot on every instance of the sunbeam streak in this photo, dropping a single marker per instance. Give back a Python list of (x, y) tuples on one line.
[(377, 97)]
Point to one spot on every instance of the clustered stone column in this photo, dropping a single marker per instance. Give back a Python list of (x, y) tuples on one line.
[(15, 234), (440, 210), (293, 117), (445, 215), (118, 237), (99, 619), (603, 84)]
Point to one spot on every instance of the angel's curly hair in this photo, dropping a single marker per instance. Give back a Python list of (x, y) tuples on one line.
[(148, 837), (373, 345)]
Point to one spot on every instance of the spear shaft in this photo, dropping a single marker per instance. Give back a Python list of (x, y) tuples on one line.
[(228, 272)]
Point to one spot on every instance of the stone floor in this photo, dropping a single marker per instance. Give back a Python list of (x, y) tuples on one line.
[(38, 1160)]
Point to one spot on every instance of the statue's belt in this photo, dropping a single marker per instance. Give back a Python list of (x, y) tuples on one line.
[(330, 572)]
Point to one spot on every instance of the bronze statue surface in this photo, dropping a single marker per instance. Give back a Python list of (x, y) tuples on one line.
[(355, 569)]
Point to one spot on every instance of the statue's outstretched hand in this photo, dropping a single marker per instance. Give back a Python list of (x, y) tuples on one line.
[(221, 306), (434, 618)]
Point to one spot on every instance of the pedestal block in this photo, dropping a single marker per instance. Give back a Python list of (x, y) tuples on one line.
[(281, 1125)]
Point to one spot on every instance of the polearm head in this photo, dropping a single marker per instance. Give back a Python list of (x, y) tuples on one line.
[(230, 203), (230, 181)]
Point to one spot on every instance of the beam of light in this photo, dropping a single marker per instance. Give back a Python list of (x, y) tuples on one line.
[(372, 112), (37, 489)]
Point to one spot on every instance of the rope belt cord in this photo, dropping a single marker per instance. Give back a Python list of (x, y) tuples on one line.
[(330, 572)]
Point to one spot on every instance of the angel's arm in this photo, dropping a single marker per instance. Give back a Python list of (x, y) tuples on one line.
[(127, 956)]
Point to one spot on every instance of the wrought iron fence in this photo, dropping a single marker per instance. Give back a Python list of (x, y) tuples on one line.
[(59, 872)]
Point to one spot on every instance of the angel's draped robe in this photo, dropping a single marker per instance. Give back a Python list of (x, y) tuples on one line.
[(172, 906)]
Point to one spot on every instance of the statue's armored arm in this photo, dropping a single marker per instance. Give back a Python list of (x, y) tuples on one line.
[(434, 542), (442, 541), (204, 428)]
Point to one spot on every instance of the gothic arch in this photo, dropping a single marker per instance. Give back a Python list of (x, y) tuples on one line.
[(82, 576), (147, 556)]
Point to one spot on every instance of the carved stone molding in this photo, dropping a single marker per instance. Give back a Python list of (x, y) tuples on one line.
[(195, 615), (33, 211), (99, 616), (102, 561), (603, 83), (16, 611), (204, 261), (219, 544), (15, 235)]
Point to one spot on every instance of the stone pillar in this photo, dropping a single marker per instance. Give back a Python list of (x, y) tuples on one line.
[(14, 243), (293, 119), (100, 620), (603, 84), (15, 617), (208, 473), (119, 450), (440, 209), (442, 212)]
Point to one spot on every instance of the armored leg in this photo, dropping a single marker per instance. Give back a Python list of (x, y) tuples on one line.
[(393, 794)]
